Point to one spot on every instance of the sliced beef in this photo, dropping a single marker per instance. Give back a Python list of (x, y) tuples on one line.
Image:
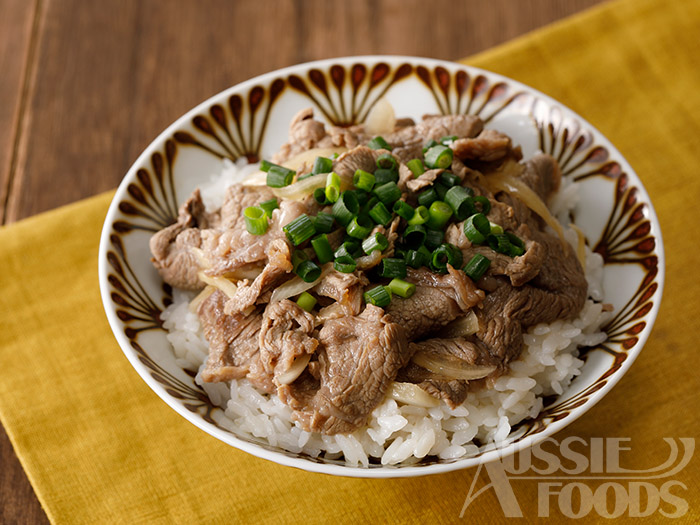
[(359, 158), (423, 181), (358, 359), (488, 146), (345, 288), (171, 246), (438, 299), (285, 334), (453, 392), (304, 133), (542, 174)]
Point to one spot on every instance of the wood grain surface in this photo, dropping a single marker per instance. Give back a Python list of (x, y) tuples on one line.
[(86, 85)]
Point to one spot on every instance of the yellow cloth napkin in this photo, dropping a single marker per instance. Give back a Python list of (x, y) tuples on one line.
[(99, 446)]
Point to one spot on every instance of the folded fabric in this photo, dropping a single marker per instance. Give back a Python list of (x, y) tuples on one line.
[(99, 446)]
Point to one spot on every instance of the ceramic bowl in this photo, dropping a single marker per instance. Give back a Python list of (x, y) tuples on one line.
[(250, 120)]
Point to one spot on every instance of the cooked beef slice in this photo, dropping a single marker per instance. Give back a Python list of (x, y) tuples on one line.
[(345, 288), (438, 299), (170, 247), (358, 359), (487, 146), (359, 158), (285, 334), (424, 180)]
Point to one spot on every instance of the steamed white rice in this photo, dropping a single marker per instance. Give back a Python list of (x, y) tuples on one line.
[(398, 433)]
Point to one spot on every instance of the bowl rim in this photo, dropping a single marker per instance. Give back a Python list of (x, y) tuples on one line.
[(383, 471)]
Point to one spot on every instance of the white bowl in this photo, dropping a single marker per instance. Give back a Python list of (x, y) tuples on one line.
[(251, 120)]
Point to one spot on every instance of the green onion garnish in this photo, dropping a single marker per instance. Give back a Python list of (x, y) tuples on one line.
[(350, 247), (322, 165), (415, 259), (416, 167), (460, 201), (255, 220), (438, 157), (304, 176), (414, 236), (332, 187), (362, 196), (484, 202), (345, 208), (402, 288), (441, 190), (309, 271), (499, 242), (427, 197), (433, 238), (323, 249), (323, 222), (496, 228), (359, 227), (392, 267), (388, 193), (363, 180), (517, 246), (443, 255), (306, 301), (429, 145), (279, 176), (378, 296), (403, 210), (268, 206), (477, 266), (378, 143), (380, 214), (386, 161), (448, 138), (449, 179), (477, 228), (382, 176), (420, 216), (300, 229), (375, 242), (440, 212), (299, 256), (320, 196), (345, 264)]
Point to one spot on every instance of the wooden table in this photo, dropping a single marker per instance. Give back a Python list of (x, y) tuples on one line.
[(85, 86)]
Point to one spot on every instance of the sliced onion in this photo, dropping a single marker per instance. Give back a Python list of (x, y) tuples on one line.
[(381, 118), (309, 156), (463, 326), (201, 297), (302, 189), (296, 285), (503, 181), (580, 246), (244, 273), (410, 394), (219, 282), (369, 261), (202, 260), (332, 311), (257, 178), (298, 366), (448, 366)]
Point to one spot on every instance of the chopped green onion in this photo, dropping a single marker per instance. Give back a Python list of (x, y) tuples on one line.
[(461, 203), (279, 176), (345, 264), (306, 301), (363, 180), (393, 267), (268, 206), (443, 255), (332, 187), (496, 228), (484, 202), (427, 197), (345, 208), (477, 266), (255, 220), (429, 145), (323, 222), (320, 196), (402, 288), (433, 238), (477, 228), (388, 193), (309, 271), (400, 253), (323, 249), (382, 176), (440, 212), (378, 143), (378, 296), (416, 167), (361, 195), (386, 161), (420, 216), (359, 227), (414, 236), (380, 214), (441, 190), (300, 229), (517, 247), (375, 242), (299, 256), (350, 247), (499, 242), (438, 157), (415, 259), (403, 210), (449, 179), (304, 176), (448, 138), (322, 165)]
